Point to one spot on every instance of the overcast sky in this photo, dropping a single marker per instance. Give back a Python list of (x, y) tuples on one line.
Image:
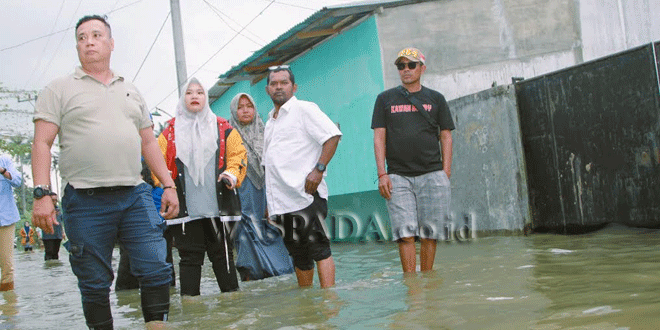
[(37, 42)]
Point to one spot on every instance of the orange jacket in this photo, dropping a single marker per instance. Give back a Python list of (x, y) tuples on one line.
[(25, 235), (231, 157)]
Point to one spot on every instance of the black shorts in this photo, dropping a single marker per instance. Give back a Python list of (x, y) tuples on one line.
[(305, 236)]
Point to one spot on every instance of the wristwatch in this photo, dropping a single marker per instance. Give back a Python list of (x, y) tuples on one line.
[(41, 191), (320, 167)]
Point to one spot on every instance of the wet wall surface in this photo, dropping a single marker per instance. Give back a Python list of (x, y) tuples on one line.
[(591, 138), (489, 190)]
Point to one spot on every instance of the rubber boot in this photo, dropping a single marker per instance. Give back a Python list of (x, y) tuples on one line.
[(155, 302), (169, 238), (189, 278), (173, 281), (98, 316), (227, 280), (225, 275)]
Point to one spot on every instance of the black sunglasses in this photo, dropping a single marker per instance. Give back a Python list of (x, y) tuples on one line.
[(411, 65), (278, 67)]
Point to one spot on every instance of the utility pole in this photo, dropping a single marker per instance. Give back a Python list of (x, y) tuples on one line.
[(179, 52)]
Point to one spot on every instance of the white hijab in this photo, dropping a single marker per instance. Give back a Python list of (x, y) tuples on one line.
[(196, 135)]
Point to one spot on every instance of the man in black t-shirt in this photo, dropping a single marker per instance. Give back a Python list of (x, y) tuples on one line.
[(416, 182)]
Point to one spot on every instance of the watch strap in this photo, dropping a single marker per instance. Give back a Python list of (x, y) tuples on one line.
[(41, 191)]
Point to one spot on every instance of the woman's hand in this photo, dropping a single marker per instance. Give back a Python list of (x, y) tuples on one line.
[(228, 181)]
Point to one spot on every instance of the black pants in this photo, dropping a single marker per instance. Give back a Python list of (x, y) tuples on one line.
[(52, 248), (193, 240), (304, 234)]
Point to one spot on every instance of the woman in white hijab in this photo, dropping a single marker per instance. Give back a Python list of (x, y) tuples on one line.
[(259, 246), (206, 151)]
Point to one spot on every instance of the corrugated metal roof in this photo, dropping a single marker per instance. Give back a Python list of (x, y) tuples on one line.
[(316, 29)]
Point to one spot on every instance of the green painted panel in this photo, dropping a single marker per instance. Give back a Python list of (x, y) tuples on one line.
[(343, 76), (358, 217)]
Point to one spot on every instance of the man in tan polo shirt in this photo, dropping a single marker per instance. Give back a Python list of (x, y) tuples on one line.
[(104, 127)]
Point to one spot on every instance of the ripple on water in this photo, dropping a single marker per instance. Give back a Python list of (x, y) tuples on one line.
[(496, 282)]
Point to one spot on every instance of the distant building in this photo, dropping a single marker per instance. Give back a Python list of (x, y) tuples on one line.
[(15, 119)]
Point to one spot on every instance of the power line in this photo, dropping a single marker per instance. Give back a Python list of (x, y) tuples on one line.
[(219, 50), (35, 39), (292, 5), (152, 44), (218, 12), (122, 7), (64, 30), (38, 62), (57, 49)]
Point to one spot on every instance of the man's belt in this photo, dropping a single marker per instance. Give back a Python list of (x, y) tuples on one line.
[(104, 190)]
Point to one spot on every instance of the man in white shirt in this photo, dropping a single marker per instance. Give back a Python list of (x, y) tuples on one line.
[(299, 141)]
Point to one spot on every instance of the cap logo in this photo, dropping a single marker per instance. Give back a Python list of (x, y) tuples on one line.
[(409, 52), (412, 54)]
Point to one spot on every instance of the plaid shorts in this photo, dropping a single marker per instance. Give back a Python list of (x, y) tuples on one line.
[(419, 205)]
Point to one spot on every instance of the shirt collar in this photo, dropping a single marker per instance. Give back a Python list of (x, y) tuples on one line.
[(79, 73), (286, 106)]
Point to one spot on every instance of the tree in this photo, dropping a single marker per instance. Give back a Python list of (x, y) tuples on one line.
[(18, 143)]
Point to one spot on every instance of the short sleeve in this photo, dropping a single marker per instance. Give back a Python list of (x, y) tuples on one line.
[(48, 107), (444, 115), (319, 126), (146, 120), (378, 117)]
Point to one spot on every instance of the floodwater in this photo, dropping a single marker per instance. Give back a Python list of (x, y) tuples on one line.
[(609, 279)]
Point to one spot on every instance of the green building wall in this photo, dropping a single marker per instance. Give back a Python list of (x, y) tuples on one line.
[(343, 76)]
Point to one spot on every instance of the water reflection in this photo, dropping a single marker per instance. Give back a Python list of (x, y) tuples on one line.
[(604, 280), (424, 310), (8, 310)]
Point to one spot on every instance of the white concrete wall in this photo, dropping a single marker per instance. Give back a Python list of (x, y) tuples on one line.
[(471, 44), (458, 83), (610, 26)]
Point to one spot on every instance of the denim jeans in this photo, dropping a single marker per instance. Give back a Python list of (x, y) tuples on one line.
[(94, 222)]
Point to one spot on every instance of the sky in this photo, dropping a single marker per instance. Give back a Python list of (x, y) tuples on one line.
[(37, 43)]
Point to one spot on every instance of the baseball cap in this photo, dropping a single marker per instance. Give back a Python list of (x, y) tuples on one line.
[(412, 54)]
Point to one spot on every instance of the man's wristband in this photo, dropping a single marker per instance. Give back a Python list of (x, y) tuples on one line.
[(169, 187), (381, 175)]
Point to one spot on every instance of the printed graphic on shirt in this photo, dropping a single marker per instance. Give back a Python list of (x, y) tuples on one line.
[(408, 108)]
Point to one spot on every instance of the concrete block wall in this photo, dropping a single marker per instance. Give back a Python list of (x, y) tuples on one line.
[(489, 184)]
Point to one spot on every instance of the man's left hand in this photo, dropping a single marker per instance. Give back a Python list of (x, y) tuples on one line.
[(313, 180), (169, 207)]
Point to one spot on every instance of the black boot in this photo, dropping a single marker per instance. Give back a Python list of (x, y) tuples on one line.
[(155, 302), (189, 278), (227, 280), (169, 239), (98, 316), (225, 274)]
